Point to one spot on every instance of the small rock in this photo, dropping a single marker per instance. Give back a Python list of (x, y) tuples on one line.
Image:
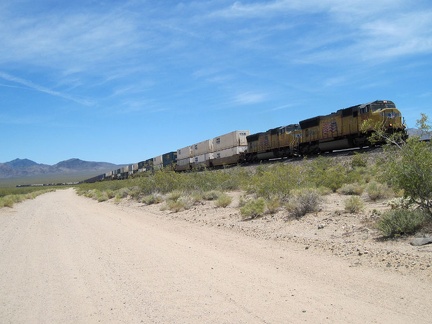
[(421, 241), (320, 226)]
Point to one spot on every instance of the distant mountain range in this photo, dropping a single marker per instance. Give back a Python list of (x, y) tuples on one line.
[(20, 168)]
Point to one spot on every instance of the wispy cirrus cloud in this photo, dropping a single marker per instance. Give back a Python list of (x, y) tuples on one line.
[(26, 84)]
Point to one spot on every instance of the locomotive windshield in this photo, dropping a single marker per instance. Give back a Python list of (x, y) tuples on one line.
[(377, 105)]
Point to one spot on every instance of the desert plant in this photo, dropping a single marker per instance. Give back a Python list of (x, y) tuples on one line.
[(354, 205), (253, 208), (377, 191), (154, 198), (273, 204), (211, 195), (401, 222), (323, 172), (180, 204), (351, 189), (223, 200), (304, 201), (358, 160)]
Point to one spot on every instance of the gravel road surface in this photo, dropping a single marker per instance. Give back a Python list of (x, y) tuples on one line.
[(69, 259)]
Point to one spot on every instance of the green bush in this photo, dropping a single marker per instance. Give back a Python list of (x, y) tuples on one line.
[(358, 160), (273, 205), (378, 191), (410, 169), (351, 189), (304, 201), (223, 200), (253, 208), (180, 204), (323, 172), (275, 180), (211, 195), (155, 198), (354, 205), (401, 222)]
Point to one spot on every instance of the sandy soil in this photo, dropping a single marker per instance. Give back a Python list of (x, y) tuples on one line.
[(69, 259)]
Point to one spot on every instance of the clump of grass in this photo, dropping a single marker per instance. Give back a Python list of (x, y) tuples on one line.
[(223, 200), (351, 189), (7, 201), (12, 199), (401, 222), (358, 160), (180, 204), (354, 204), (378, 191), (253, 208), (155, 198), (273, 205), (211, 195), (304, 201)]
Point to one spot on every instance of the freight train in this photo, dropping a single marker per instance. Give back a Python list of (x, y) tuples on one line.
[(339, 130)]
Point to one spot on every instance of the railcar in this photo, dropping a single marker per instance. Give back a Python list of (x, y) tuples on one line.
[(275, 143)]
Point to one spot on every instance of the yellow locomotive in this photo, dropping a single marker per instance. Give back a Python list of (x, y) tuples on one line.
[(343, 129)]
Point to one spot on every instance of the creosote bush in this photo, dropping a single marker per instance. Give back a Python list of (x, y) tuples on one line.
[(401, 222), (354, 204), (253, 208), (378, 191), (304, 201), (351, 189), (223, 200)]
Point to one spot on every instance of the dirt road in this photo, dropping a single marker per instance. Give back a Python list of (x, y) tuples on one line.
[(68, 259)]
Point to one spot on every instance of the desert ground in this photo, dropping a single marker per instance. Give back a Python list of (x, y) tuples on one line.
[(69, 259)]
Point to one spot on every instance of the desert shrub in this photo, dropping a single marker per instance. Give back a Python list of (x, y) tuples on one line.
[(223, 200), (175, 195), (304, 201), (101, 196), (351, 189), (253, 208), (354, 205), (276, 180), (110, 193), (154, 198), (400, 203), (378, 191), (358, 161), (273, 204), (401, 222), (407, 167), (211, 195), (180, 204), (324, 172), (7, 201), (122, 192), (135, 193)]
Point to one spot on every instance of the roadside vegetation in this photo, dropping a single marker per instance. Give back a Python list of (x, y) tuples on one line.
[(11, 196), (404, 172)]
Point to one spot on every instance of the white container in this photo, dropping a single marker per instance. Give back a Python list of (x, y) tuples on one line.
[(203, 147), (184, 153), (203, 158), (230, 152), (158, 162), (233, 139), (228, 156)]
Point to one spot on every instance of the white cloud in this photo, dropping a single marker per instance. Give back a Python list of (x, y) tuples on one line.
[(248, 98), (30, 85)]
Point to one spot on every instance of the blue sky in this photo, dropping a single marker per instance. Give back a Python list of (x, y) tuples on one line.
[(123, 81)]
